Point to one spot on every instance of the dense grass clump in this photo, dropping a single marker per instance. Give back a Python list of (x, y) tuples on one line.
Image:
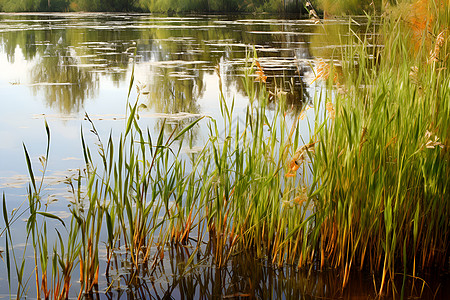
[(383, 162)]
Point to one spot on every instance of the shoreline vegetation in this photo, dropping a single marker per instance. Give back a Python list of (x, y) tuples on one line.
[(368, 191), (190, 6)]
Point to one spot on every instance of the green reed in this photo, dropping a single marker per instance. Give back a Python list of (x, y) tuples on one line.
[(245, 201), (383, 161), (133, 191), (36, 228), (378, 197)]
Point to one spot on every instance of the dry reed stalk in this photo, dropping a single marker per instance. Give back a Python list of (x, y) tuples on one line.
[(299, 157), (44, 285), (420, 20), (187, 230), (312, 13), (260, 75), (414, 75), (430, 143), (302, 115), (65, 292), (323, 71)]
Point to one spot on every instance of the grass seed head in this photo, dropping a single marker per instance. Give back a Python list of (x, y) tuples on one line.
[(434, 53), (331, 112)]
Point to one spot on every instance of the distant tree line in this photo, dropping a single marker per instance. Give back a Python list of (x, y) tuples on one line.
[(162, 6), (179, 6), (223, 5)]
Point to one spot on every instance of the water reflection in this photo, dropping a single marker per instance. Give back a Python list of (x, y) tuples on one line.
[(80, 51), (175, 54), (65, 85), (172, 89), (245, 278), (76, 62)]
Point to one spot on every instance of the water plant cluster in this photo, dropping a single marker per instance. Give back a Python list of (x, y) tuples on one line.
[(366, 190), (382, 163)]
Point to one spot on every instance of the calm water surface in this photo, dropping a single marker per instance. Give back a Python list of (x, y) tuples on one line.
[(57, 67)]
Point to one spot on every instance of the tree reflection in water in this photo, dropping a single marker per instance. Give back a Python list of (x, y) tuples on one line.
[(64, 84), (71, 54)]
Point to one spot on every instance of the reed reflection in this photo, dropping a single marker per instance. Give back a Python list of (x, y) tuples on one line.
[(180, 277), (184, 273)]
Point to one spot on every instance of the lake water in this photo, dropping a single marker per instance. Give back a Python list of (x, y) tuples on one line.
[(57, 67)]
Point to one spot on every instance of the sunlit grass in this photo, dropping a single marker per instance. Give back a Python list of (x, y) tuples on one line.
[(383, 161)]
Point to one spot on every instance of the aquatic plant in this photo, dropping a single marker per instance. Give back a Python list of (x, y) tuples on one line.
[(36, 231), (383, 161)]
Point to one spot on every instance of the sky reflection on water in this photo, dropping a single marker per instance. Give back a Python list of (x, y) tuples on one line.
[(56, 67)]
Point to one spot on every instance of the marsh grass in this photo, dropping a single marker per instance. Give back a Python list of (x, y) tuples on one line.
[(383, 161), (367, 190), (37, 237)]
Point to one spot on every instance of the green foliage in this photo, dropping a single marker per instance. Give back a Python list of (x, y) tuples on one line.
[(383, 161), (21, 5), (33, 5), (273, 6), (174, 5), (347, 7), (103, 5), (53, 5), (162, 6)]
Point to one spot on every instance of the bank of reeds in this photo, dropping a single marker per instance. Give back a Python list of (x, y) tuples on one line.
[(367, 189), (383, 162)]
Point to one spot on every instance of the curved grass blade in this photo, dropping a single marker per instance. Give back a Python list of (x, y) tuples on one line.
[(51, 216), (30, 169)]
